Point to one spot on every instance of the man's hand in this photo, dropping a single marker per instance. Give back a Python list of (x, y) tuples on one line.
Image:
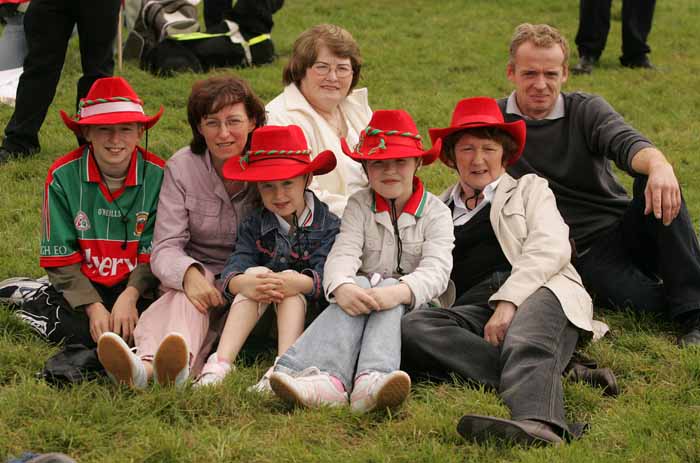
[(389, 297), (100, 319), (662, 194), (125, 314), (199, 291), (354, 300), (497, 326)]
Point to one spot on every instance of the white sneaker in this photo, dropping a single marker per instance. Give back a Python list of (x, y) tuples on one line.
[(213, 372), (120, 362), (16, 290), (311, 388), (171, 364), (377, 391), (263, 386)]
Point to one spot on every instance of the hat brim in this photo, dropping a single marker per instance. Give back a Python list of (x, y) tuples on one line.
[(391, 152), (277, 168), (111, 119), (516, 129)]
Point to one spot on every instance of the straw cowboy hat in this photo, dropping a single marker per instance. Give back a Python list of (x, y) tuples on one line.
[(478, 112), (111, 100), (277, 153), (391, 134)]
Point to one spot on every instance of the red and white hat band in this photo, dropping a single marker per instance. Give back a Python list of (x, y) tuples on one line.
[(111, 107)]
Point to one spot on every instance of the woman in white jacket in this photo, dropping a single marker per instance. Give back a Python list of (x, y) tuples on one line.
[(521, 305), (320, 97)]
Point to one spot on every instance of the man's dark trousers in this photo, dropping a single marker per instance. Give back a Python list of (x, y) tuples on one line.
[(48, 25), (594, 25), (643, 264)]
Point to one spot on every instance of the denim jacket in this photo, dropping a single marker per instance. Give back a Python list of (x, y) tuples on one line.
[(260, 242)]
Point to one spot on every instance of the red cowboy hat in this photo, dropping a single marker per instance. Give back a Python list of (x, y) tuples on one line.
[(111, 100), (391, 134), (479, 112), (277, 153)]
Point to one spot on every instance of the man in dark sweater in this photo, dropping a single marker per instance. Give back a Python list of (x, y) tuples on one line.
[(628, 251)]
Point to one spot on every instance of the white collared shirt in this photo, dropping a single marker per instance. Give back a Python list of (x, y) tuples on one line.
[(556, 113), (462, 215), (306, 217)]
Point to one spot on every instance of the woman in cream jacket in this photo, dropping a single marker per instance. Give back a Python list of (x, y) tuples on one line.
[(320, 77), (521, 305)]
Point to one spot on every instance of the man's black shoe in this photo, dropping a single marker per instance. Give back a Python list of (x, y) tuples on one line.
[(6, 154), (642, 63), (603, 378), (585, 65), (692, 332)]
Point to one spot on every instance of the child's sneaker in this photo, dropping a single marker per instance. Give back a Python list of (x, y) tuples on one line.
[(171, 364), (213, 372), (263, 386), (120, 362), (377, 391), (311, 389), (16, 290)]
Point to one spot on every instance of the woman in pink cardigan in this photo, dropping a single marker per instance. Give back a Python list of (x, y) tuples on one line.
[(198, 216)]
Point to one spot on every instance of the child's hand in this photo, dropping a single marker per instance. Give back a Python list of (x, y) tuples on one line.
[(199, 291), (389, 297), (264, 287), (354, 300), (125, 314), (100, 320), (294, 283)]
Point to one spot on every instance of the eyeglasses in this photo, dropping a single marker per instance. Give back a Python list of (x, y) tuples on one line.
[(341, 70), (214, 125)]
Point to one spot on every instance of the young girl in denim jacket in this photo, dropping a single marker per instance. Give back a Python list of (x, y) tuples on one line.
[(393, 253), (281, 248)]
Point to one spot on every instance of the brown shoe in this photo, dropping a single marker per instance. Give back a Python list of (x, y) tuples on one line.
[(603, 378), (524, 432)]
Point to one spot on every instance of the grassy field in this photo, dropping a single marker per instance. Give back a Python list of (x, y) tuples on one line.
[(422, 56)]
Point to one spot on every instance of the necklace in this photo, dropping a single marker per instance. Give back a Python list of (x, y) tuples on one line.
[(113, 200)]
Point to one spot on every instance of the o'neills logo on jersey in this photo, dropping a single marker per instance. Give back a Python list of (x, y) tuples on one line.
[(81, 221), (141, 219)]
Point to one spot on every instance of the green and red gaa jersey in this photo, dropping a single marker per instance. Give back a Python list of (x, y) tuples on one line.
[(82, 223)]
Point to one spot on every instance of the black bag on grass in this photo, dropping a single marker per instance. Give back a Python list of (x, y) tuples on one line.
[(73, 364)]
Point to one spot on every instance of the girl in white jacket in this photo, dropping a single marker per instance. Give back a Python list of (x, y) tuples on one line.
[(393, 253)]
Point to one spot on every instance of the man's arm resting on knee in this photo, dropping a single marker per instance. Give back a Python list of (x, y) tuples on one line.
[(662, 195)]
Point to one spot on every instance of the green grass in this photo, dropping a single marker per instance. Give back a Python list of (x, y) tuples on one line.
[(422, 56)]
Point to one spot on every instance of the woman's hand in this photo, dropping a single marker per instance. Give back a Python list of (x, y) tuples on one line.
[(389, 297), (355, 300), (497, 326), (199, 291), (125, 314), (100, 319)]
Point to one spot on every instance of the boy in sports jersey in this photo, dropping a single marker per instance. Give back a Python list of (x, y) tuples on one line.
[(97, 222)]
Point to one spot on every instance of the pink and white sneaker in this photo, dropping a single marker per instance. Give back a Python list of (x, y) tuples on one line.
[(312, 388), (213, 372), (377, 391)]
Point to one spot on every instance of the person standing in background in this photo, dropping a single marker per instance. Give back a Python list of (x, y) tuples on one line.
[(594, 25), (48, 26)]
